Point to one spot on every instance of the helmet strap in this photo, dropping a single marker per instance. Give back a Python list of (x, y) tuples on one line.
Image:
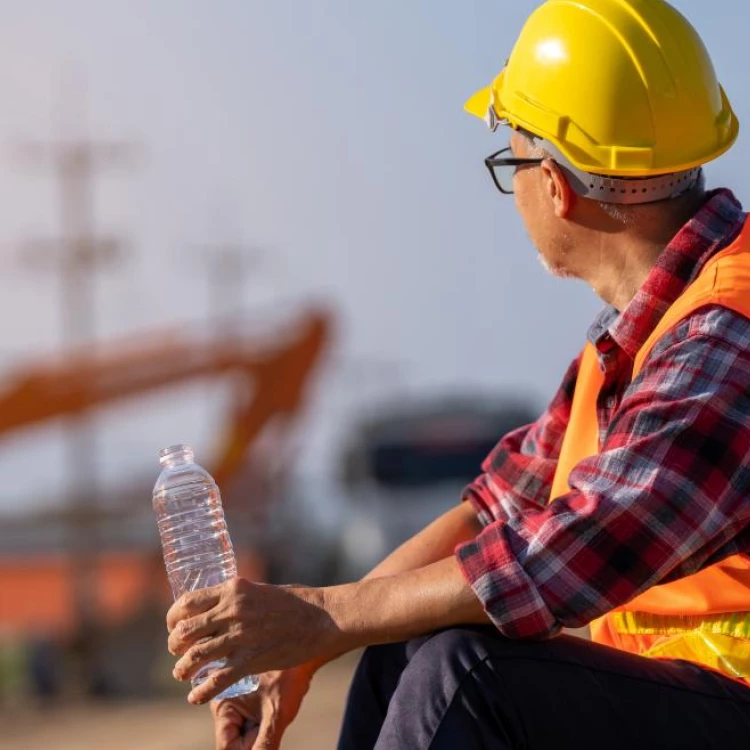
[(622, 190)]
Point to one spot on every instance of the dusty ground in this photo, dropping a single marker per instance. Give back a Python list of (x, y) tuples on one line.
[(168, 724)]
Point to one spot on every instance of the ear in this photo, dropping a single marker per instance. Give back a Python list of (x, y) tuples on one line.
[(558, 189)]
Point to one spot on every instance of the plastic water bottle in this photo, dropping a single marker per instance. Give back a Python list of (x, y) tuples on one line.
[(197, 549)]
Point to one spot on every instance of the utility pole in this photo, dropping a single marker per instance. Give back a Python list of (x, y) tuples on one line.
[(75, 256)]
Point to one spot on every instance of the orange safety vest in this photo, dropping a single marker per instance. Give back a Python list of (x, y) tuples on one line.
[(704, 617)]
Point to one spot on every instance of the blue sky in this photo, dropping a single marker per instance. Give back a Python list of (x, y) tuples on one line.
[(330, 133)]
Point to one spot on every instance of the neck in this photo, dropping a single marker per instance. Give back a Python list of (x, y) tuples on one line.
[(621, 260), (621, 268)]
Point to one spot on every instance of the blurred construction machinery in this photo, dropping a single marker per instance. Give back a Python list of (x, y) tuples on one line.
[(267, 380), (83, 593), (72, 573)]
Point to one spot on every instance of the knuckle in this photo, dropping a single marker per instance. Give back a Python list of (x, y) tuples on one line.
[(238, 586), (184, 629), (234, 611), (235, 628), (216, 680)]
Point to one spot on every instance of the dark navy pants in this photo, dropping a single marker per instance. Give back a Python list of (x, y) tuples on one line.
[(470, 688)]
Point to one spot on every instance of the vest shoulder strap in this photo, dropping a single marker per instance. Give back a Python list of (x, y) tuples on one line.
[(724, 281), (584, 439)]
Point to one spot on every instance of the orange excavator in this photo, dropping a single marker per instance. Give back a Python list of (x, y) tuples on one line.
[(269, 380)]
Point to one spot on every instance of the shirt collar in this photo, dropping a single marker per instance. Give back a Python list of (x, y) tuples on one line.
[(716, 223)]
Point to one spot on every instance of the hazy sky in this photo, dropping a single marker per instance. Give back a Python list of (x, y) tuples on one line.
[(332, 134)]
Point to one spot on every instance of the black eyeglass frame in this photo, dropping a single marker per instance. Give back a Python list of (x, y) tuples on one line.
[(495, 160)]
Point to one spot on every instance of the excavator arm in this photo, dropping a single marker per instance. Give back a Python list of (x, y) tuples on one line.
[(271, 380)]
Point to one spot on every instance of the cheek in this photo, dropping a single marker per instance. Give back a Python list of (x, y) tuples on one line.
[(533, 214), (527, 192), (527, 207), (523, 197)]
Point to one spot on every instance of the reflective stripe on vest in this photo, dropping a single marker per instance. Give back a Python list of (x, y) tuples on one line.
[(704, 617)]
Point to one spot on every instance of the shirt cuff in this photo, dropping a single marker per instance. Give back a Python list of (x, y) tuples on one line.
[(507, 593), (482, 496)]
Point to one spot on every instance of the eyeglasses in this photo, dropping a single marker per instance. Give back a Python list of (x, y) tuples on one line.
[(503, 168)]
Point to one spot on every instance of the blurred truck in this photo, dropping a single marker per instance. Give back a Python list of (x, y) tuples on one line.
[(410, 463)]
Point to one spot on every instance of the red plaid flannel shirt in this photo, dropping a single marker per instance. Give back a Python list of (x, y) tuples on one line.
[(670, 491)]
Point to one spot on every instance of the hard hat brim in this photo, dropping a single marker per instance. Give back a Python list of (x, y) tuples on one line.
[(479, 103)]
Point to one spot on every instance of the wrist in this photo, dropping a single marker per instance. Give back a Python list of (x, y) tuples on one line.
[(336, 631), (342, 606), (399, 607)]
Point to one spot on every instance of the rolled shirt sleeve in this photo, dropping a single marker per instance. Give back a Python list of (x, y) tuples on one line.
[(667, 494)]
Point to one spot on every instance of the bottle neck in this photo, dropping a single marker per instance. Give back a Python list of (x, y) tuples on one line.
[(176, 455)]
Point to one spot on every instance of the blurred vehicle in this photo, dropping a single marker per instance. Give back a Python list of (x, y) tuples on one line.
[(408, 465), (303, 532)]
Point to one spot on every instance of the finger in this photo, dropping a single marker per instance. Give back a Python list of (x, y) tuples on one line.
[(248, 738), (231, 730), (219, 680), (269, 736), (187, 632), (243, 708), (200, 654), (227, 735), (191, 604), (244, 711)]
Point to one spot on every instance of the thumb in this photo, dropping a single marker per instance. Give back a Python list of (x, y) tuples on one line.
[(228, 738), (231, 730), (269, 734)]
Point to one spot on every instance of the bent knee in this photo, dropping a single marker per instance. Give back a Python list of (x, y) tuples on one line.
[(452, 651)]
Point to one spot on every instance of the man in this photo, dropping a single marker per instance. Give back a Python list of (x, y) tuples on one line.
[(624, 506)]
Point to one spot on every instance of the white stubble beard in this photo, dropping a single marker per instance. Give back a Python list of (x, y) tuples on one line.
[(556, 271)]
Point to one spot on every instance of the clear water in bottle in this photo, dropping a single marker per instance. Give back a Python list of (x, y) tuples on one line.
[(197, 549)]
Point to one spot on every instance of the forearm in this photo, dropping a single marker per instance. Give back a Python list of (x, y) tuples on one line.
[(259, 628), (402, 606), (435, 542)]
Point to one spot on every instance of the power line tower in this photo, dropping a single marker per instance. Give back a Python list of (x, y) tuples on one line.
[(75, 256)]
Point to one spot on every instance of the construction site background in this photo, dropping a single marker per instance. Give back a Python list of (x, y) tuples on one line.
[(268, 234)]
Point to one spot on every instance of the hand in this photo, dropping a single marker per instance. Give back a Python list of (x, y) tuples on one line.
[(258, 721), (253, 627), (236, 722)]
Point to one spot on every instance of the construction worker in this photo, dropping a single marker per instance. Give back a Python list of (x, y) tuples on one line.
[(624, 506)]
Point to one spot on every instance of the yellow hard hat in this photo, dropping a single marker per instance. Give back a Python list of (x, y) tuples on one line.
[(620, 87)]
